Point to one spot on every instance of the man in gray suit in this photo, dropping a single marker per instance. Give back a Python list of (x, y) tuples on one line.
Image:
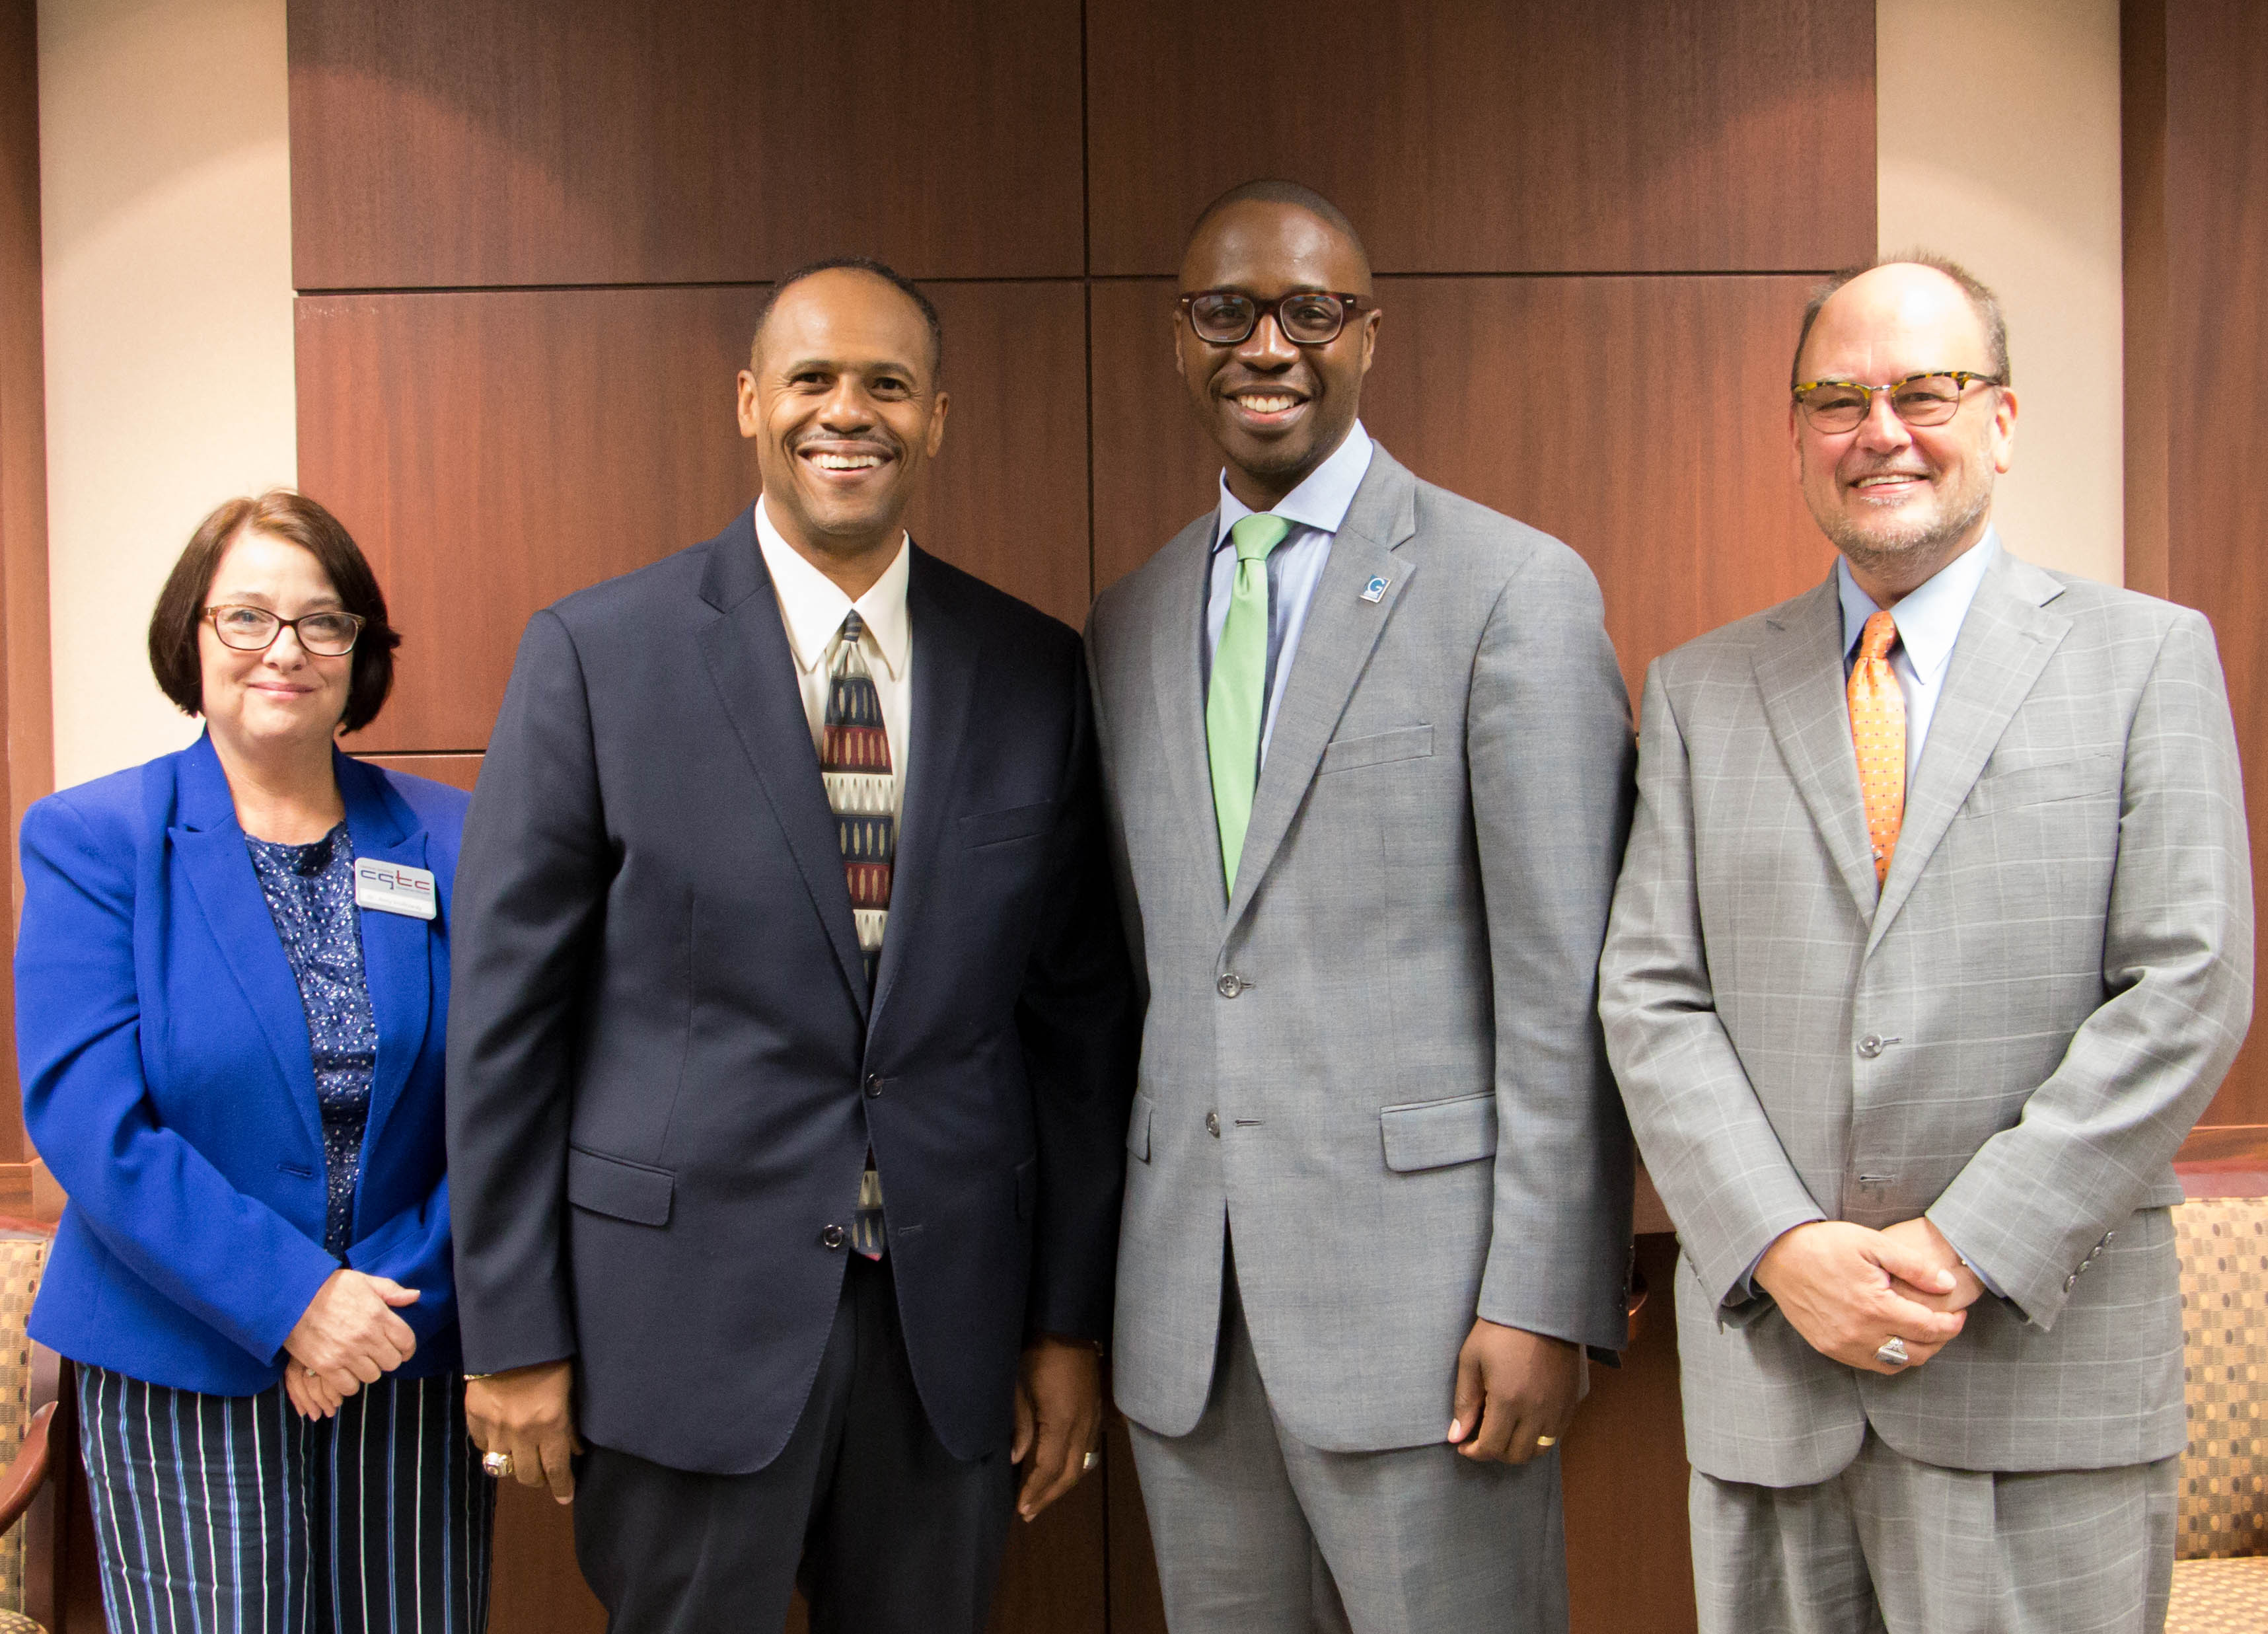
[(1368, 757), (1933, 939)]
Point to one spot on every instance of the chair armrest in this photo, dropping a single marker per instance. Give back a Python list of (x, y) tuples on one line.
[(29, 1472)]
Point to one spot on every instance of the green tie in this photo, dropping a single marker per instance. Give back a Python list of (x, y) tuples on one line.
[(1234, 707)]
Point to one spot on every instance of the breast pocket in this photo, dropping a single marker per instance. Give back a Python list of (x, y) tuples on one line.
[(2084, 777), (1001, 828), (1377, 748)]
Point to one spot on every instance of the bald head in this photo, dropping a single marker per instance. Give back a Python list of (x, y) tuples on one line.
[(1243, 199), (1919, 284)]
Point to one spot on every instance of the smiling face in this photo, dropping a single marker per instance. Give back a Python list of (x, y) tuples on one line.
[(840, 397), (1901, 501), (1276, 411), (285, 699)]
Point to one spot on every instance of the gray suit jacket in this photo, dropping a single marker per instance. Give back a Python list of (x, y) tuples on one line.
[(2014, 1039), (1389, 1024)]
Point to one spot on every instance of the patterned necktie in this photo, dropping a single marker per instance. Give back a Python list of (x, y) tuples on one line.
[(1234, 706), (1878, 729), (854, 762)]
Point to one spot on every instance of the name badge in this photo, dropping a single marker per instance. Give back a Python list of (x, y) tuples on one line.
[(396, 888)]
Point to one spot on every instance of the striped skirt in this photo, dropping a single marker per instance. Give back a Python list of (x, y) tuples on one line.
[(232, 1514)]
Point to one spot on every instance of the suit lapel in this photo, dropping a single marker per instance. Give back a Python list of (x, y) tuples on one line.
[(1342, 630), (947, 650), (212, 854), (397, 949), (1176, 661), (1800, 673), (2005, 641), (747, 653)]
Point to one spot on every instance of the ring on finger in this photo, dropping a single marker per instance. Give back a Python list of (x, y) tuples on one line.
[(1547, 1440), (1892, 1352), (495, 1466), (1089, 1461)]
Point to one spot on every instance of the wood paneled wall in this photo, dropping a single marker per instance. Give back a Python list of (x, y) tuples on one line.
[(28, 765), (2196, 133), (530, 240)]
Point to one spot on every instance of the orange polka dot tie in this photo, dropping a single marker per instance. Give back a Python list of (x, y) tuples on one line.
[(1878, 728)]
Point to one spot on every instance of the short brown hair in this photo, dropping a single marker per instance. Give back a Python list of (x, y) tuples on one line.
[(1982, 301), (174, 654)]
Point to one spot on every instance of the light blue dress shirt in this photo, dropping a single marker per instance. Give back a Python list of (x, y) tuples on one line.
[(1316, 509)]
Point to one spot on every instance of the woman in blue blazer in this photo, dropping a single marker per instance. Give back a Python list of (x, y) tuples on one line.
[(232, 980)]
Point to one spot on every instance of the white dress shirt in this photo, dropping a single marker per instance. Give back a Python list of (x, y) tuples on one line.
[(1316, 509), (813, 607), (1929, 619)]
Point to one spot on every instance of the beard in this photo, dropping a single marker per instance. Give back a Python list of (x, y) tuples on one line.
[(1880, 551)]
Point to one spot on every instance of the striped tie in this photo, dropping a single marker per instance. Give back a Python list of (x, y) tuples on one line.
[(1878, 731), (861, 789), (854, 760)]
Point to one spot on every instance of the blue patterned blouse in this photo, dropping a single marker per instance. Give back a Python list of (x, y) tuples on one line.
[(311, 896)]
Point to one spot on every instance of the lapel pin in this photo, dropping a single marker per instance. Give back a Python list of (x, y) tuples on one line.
[(1374, 591)]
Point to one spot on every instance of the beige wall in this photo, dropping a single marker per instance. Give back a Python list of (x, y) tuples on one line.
[(165, 170), (1997, 126), (166, 211)]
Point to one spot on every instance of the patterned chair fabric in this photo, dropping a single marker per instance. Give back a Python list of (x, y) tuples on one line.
[(2224, 1506), (22, 1258)]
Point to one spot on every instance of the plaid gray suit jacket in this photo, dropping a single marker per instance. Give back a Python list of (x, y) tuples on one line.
[(2014, 1039), (1391, 1022)]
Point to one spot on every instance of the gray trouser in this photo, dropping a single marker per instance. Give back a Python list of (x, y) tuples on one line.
[(1258, 1532), (1894, 1546)]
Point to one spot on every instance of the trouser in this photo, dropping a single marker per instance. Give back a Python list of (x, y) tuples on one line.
[(1258, 1532), (231, 1513), (1894, 1546), (886, 1531)]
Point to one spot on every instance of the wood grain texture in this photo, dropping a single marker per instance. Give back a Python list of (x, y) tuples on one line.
[(2143, 266), (1641, 419), (588, 142), (493, 451), (1530, 136), (2216, 188), (536, 1586), (27, 766), (460, 771)]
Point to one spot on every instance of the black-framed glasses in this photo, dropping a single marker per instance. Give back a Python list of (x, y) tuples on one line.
[(254, 630), (1929, 398), (1306, 317)]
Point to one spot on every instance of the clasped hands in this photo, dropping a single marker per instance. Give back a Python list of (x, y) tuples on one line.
[(1849, 1290), (347, 1337), (528, 1414)]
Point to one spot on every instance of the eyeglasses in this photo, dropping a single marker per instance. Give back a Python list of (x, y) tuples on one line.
[(1918, 400), (254, 630), (1306, 317)]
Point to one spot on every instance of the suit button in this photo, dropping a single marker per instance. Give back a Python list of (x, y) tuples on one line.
[(832, 1237), (873, 1086), (1870, 1046), (1230, 985), (2108, 1237), (2071, 1282), (1212, 1124)]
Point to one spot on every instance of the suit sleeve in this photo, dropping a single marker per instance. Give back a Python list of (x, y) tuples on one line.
[(1709, 1147), (1547, 742), (531, 881), (2030, 1207), (153, 1199), (1080, 1027)]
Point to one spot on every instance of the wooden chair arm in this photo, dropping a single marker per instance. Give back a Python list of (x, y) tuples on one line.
[(29, 1472)]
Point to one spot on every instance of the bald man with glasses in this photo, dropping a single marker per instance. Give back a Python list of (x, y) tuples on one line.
[(1935, 938)]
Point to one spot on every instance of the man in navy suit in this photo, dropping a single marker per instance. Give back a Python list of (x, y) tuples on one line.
[(792, 1041)]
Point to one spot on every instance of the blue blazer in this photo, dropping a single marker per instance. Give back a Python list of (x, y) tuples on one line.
[(169, 1084)]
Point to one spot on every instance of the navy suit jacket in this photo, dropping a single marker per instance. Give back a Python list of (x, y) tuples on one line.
[(169, 1083), (666, 1070)]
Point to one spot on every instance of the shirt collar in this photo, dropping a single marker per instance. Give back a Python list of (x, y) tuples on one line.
[(813, 605), (1321, 501), (1929, 618)]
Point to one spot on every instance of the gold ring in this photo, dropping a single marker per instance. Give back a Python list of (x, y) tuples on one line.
[(1089, 1461), (495, 1466), (311, 1373), (1547, 1440)]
